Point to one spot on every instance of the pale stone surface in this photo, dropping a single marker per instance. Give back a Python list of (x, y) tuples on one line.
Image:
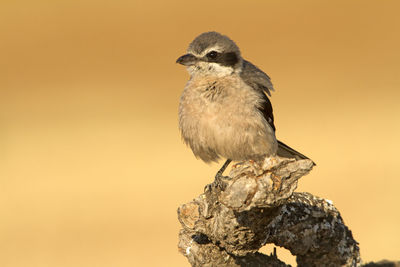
[(258, 206)]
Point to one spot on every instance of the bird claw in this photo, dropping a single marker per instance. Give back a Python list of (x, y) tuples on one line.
[(221, 181), (208, 188)]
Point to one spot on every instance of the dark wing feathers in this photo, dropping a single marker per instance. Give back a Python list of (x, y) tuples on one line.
[(260, 82), (256, 78), (266, 110)]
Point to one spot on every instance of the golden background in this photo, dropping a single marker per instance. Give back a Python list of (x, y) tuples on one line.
[(92, 167)]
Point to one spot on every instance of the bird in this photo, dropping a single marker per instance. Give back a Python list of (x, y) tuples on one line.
[(224, 109)]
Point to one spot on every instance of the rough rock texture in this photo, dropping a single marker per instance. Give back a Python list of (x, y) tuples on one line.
[(200, 251), (383, 263), (258, 206)]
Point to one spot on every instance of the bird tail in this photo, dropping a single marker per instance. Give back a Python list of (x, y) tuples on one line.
[(288, 152)]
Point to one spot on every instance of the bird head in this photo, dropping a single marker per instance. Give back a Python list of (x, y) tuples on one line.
[(212, 53)]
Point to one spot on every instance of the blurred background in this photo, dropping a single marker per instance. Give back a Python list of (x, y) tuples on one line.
[(92, 167)]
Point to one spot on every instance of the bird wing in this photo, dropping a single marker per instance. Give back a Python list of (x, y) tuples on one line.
[(261, 82), (256, 78)]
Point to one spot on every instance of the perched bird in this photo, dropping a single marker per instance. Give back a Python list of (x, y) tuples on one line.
[(224, 111)]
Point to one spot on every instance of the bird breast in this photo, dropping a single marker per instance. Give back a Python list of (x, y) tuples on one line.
[(219, 117)]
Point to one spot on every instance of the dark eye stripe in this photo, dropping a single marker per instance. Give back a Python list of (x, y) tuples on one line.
[(224, 59), (228, 59)]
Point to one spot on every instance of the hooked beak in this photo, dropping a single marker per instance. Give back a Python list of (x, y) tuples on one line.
[(187, 60)]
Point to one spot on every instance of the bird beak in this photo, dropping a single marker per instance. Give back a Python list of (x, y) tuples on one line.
[(187, 60)]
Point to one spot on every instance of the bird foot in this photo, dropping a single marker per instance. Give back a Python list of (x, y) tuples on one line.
[(220, 182)]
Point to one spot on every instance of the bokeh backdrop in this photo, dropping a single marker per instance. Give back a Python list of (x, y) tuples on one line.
[(92, 167)]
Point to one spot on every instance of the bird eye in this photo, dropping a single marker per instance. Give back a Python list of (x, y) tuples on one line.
[(212, 54)]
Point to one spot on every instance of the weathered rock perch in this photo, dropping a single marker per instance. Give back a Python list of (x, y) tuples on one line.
[(258, 206)]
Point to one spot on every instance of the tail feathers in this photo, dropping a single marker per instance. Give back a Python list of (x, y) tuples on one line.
[(288, 152)]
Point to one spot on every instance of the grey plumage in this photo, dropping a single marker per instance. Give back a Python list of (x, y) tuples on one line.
[(286, 151), (256, 78), (224, 110), (210, 39)]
